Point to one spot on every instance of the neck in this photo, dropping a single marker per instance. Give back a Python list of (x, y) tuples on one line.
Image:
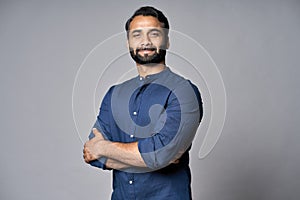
[(145, 70)]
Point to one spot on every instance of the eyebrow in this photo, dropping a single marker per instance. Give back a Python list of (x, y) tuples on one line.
[(136, 31), (155, 29), (140, 30)]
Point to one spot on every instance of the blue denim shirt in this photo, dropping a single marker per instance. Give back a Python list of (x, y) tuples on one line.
[(162, 112)]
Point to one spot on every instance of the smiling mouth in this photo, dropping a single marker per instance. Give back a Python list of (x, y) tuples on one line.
[(146, 50)]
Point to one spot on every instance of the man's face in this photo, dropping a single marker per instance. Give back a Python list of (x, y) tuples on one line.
[(147, 40)]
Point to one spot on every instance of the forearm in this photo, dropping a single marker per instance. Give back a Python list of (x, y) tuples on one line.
[(114, 164), (124, 153)]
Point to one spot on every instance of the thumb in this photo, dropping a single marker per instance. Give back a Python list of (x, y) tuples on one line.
[(96, 132)]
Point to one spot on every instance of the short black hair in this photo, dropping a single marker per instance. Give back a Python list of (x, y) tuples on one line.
[(149, 11)]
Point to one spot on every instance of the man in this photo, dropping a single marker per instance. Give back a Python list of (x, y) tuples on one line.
[(146, 125)]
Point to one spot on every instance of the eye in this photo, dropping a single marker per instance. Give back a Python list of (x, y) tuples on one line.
[(136, 35), (154, 34)]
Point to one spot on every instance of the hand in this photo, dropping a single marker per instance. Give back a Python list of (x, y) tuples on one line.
[(176, 160), (92, 148)]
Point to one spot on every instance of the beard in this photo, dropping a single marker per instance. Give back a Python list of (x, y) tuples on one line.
[(156, 58)]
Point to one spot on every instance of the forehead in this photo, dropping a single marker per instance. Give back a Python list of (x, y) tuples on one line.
[(140, 22)]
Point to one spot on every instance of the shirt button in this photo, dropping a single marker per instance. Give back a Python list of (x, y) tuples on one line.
[(141, 78), (134, 113), (131, 136), (130, 182)]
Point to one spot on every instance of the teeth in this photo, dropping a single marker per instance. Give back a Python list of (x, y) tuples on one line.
[(147, 49)]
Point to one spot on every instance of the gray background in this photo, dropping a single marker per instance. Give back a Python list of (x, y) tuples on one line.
[(254, 43)]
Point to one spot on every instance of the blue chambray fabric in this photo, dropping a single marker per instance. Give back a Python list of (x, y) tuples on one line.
[(170, 128)]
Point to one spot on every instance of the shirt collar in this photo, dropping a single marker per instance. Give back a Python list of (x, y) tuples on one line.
[(152, 77)]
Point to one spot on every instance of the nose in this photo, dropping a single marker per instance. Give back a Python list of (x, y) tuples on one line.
[(146, 41)]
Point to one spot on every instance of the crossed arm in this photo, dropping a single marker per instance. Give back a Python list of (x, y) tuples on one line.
[(120, 155), (126, 155)]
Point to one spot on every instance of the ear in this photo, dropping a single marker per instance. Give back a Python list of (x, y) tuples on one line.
[(167, 43)]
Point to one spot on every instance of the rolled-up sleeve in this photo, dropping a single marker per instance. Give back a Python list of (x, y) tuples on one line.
[(102, 124), (180, 122)]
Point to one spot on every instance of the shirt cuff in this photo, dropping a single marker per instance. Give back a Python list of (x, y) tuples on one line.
[(147, 151), (100, 163)]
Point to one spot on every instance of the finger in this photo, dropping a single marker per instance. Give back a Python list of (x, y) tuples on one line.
[(89, 158), (86, 158), (176, 162), (96, 132)]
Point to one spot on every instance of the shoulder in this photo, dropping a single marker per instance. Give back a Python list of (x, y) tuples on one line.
[(181, 82), (124, 84), (186, 89)]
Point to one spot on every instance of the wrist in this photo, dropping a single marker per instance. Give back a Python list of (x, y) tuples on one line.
[(103, 146)]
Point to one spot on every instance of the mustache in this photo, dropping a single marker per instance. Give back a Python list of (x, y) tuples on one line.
[(146, 48)]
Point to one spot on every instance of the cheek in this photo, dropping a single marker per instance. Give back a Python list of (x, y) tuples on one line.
[(160, 44), (132, 47), (133, 42)]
